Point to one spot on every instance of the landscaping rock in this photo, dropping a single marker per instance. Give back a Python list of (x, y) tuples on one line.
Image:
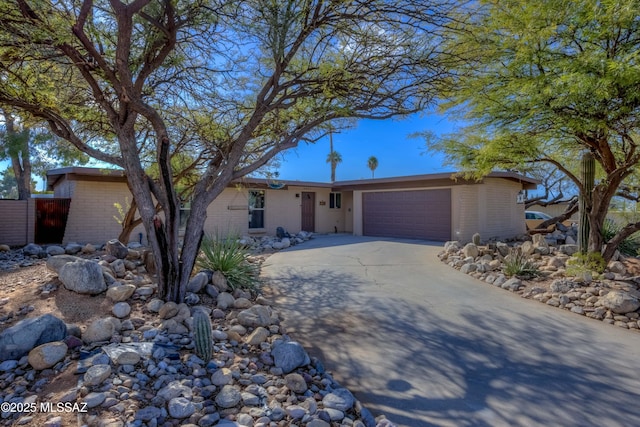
[(258, 315), (21, 338), (620, 302), (198, 282), (47, 355), (228, 397), (121, 309), (289, 356), (55, 250), (96, 375), (33, 250), (470, 250), (120, 293), (568, 249), (117, 249), (55, 263), (99, 330), (340, 399), (82, 276), (219, 281)]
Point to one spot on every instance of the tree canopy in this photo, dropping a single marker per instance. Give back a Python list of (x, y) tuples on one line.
[(232, 83), (542, 82)]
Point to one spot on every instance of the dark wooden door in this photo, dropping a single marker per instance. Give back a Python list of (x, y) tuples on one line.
[(308, 211), (51, 220)]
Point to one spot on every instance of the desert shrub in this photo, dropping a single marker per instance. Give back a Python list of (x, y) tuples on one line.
[(580, 263), (628, 246), (230, 257), (518, 264)]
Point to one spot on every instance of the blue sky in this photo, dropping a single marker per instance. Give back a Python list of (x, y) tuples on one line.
[(386, 139)]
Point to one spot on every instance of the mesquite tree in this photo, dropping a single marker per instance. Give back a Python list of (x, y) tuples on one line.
[(543, 82), (231, 83)]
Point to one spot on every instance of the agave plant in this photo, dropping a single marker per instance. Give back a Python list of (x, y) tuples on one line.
[(230, 257)]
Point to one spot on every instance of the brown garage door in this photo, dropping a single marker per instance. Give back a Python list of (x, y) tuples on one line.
[(419, 214)]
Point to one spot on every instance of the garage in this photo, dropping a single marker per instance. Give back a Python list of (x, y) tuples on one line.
[(413, 214)]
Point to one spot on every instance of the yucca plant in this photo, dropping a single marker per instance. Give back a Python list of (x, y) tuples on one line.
[(628, 246), (518, 264), (230, 257)]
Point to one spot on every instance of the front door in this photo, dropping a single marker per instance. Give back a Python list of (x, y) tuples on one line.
[(308, 211)]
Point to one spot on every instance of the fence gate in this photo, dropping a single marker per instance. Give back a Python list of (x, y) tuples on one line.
[(51, 220)]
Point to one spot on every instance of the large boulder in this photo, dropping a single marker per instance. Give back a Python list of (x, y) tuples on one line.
[(117, 249), (83, 276), (21, 338), (55, 263), (620, 302)]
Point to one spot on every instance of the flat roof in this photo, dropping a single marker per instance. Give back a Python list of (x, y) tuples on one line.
[(441, 179)]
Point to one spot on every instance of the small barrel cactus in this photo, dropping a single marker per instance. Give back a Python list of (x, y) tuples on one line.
[(476, 239), (202, 335)]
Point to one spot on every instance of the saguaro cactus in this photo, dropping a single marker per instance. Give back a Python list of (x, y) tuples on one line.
[(588, 180), (202, 335)]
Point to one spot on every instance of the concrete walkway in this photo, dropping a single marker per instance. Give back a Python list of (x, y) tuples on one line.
[(429, 346)]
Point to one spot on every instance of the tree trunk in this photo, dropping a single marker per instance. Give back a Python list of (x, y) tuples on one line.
[(20, 161), (129, 223), (588, 181)]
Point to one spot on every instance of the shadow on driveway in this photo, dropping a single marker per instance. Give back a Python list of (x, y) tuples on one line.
[(481, 367)]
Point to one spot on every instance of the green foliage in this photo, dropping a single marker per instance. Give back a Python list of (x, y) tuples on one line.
[(518, 264), (628, 246), (581, 263), (228, 256), (122, 210), (202, 335), (476, 239)]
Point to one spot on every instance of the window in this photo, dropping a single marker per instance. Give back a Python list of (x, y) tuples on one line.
[(335, 200), (256, 209)]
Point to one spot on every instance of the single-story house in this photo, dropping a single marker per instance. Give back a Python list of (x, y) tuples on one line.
[(436, 207)]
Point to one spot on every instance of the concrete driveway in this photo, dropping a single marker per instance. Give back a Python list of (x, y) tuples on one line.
[(429, 346)]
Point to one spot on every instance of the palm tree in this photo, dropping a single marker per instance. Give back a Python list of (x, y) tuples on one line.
[(372, 163), (334, 158)]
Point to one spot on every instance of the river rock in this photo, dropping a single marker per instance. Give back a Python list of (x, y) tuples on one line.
[(33, 250), (197, 282), (55, 250), (258, 315), (117, 249), (21, 338), (83, 276), (219, 281), (121, 292), (121, 309), (47, 355), (180, 407), (228, 397), (470, 250), (97, 374), (340, 399), (289, 356), (99, 330)]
